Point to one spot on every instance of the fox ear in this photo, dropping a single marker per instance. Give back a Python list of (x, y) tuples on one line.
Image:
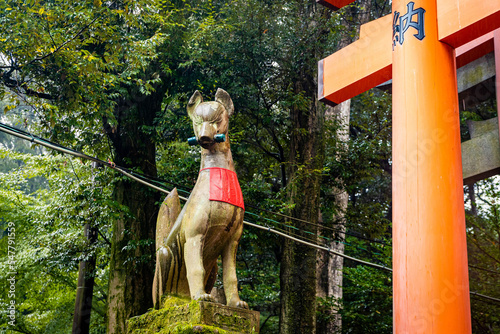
[(223, 98), (194, 101)]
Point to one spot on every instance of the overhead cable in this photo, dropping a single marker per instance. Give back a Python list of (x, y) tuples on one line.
[(323, 227), (329, 250), (312, 234), (34, 139), (143, 178), (27, 136), (485, 297)]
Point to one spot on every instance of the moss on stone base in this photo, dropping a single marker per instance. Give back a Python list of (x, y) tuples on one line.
[(197, 329), (185, 316)]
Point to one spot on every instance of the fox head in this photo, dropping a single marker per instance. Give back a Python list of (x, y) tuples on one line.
[(210, 118)]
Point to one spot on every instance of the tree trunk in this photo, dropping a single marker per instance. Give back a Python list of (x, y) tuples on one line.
[(133, 248), (298, 266), (472, 198), (85, 288), (330, 266)]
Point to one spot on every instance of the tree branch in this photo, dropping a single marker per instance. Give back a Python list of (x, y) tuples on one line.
[(485, 252), (65, 43), (15, 84)]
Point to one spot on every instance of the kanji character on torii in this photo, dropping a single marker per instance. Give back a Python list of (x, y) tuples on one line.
[(431, 286)]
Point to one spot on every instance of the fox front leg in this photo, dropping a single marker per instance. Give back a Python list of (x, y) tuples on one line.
[(229, 272), (193, 252)]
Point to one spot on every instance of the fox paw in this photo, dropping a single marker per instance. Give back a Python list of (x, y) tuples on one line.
[(242, 304), (204, 297), (239, 304)]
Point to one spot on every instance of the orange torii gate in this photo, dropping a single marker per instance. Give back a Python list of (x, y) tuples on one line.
[(415, 46)]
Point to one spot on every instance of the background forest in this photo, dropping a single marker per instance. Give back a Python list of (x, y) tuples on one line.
[(112, 79)]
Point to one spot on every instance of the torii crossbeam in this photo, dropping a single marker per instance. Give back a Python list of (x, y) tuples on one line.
[(415, 46)]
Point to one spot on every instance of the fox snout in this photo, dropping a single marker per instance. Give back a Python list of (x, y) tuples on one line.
[(206, 134)]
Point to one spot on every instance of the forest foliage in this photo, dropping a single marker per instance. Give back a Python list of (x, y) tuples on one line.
[(112, 79)]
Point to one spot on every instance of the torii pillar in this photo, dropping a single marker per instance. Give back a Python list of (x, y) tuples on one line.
[(431, 287), (431, 282)]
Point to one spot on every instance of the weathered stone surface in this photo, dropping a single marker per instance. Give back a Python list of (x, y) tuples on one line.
[(180, 315), (481, 154), (481, 128), (476, 72)]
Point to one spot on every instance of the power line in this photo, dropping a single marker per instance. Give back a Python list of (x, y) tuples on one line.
[(141, 178), (310, 233), (315, 224), (34, 139), (331, 251), (323, 227), (485, 297), (161, 181)]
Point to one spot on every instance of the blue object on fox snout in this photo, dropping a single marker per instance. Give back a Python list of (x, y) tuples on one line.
[(218, 138), (192, 141)]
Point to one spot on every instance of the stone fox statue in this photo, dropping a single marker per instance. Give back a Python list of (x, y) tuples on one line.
[(189, 242)]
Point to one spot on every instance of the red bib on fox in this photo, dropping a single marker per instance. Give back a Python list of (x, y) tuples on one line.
[(224, 186)]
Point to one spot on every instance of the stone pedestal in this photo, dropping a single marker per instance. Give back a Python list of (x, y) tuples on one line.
[(481, 154), (179, 315)]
